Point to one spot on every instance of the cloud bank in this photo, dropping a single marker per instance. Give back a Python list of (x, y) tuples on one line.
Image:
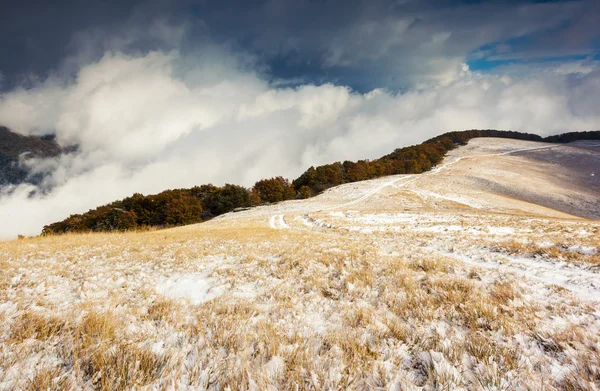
[(365, 44), (163, 119)]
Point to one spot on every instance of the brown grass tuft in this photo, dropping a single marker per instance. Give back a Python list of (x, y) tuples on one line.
[(161, 310), (47, 379), (36, 326), (121, 367)]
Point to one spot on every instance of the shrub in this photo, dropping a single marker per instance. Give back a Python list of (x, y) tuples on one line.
[(274, 190)]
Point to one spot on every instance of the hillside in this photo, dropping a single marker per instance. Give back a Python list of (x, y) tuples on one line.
[(481, 274), (13, 146), (186, 206)]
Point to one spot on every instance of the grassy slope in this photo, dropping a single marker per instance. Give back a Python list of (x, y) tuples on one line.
[(423, 303), (409, 160), (293, 310)]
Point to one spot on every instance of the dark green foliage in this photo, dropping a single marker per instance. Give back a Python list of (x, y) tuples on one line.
[(304, 192), (274, 190), (573, 136), (13, 145), (104, 218), (464, 136), (186, 206), (218, 200), (167, 209), (411, 160), (322, 177)]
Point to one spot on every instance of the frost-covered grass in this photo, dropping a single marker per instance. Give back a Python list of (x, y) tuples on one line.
[(370, 286), (220, 305)]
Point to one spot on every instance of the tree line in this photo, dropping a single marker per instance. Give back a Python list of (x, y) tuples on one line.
[(187, 206), (172, 208)]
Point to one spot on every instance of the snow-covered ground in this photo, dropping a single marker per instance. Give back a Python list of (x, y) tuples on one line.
[(439, 281)]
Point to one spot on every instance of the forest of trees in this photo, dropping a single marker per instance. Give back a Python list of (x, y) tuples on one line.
[(186, 206), (573, 136), (170, 208), (13, 146), (408, 160)]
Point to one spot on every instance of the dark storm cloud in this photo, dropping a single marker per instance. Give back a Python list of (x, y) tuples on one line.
[(366, 44), (35, 36), (400, 44)]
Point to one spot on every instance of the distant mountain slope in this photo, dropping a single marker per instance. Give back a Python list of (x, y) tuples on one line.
[(187, 206), (13, 146), (514, 177)]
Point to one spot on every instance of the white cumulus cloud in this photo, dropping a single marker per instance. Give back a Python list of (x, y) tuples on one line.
[(148, 122)]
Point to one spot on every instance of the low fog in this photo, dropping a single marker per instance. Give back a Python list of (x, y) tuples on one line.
[(159, 120)]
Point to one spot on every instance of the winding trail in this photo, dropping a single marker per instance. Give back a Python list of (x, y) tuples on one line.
[(583, 283), (278, 222), (411, 178)]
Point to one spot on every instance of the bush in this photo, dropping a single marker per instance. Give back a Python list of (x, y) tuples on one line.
[(274, 190), (305, 192)]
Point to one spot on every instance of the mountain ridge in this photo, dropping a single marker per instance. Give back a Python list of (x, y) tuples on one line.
[(187, 206), (14, 147), (430, 279)]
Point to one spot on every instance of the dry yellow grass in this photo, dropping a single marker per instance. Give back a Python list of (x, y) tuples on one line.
[(372, 296), (349, 318), (561, 252)]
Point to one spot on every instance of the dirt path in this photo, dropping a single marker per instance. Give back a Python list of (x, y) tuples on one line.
[(580, 281)]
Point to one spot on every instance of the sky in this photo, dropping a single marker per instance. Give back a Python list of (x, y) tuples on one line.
[(169, 94)]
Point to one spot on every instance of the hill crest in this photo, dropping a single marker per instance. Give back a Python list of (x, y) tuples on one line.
[(201, 203)]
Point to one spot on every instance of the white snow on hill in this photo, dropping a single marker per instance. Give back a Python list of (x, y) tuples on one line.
[(482, 274)]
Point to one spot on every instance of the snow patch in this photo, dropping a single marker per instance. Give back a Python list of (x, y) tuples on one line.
[(278, 222), (195, 287), (282, 222), (275, 367), (440, 228), (545, 244), (501, 230), (584, 250), (245, 291), (583, 283), (457, 199)]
